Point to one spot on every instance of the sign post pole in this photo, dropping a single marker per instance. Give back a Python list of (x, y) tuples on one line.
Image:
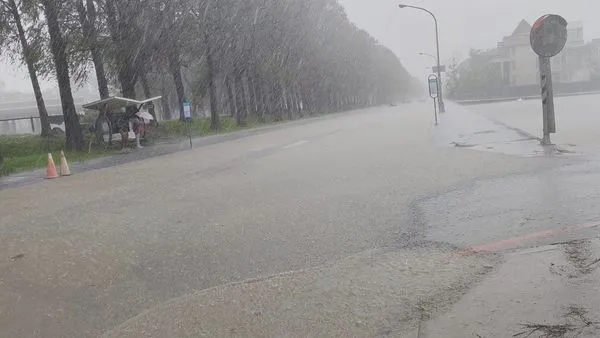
[(549, 121), (435, 111), (187, 114), (548, 38), (189, 123)]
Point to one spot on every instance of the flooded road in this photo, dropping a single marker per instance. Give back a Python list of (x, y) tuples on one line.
[(355, 224), (577, 119)]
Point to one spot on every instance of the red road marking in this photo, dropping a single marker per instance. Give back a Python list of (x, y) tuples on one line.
[(516, 241)]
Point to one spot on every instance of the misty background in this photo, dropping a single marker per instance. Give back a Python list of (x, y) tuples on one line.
[(464, 25)]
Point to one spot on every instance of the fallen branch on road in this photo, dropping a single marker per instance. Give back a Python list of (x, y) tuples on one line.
[(574, 312), (546, 331)]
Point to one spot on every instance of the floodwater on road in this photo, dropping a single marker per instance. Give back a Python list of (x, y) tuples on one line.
[(510, 207), (577, 119), (351, 225), (559, 193)]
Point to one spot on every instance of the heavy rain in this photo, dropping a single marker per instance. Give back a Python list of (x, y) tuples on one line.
[(299, 168)]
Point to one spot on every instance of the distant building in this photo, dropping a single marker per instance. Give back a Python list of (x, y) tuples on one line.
[(595, 58), (573, 64), (519, 65), (515, 58)]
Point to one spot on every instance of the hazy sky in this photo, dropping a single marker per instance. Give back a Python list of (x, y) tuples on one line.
[(464, 24)]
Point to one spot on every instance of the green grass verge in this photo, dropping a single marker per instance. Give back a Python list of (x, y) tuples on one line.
[(27, 152), (175, 130)]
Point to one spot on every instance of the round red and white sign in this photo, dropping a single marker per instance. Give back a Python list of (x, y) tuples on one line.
[(549, 35)]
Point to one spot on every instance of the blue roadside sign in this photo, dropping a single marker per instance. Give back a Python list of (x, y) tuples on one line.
[(187, 109)]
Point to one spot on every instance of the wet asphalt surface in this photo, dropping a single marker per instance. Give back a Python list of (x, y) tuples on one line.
[(547, 291), (160, 149), (558, 193), (111, 250), (577, 120)]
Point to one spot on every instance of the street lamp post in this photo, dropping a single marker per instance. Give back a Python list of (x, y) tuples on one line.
[(437, 44), (427, 54)]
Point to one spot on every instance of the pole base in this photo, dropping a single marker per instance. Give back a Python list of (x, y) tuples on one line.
[(546, 140)]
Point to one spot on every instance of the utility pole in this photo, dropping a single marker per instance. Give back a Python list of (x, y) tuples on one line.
[(437, 46)]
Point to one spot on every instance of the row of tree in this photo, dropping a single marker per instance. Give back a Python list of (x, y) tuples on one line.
[(475, 78), (250, 58)]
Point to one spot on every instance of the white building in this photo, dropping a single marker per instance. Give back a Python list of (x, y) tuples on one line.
[(516, 59), (519, 65), (573, 64)]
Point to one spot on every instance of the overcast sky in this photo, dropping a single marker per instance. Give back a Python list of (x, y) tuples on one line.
[(464, 24)]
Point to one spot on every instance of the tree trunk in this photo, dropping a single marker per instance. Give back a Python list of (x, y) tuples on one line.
[(307, 100), (259, 98), (230, 97), (148, 94), (279, 93), (127, 73), (215, 123), (248, 95), (100, 73), (175, 69), (267, 103), (146, 86), (297, 109), (39, 99), (262, 95), (285, 102), (256, 112), (87, 18), (165, 101), (238, 104), (294, 101), (127, 80), (58, 46), (240, 96), (97, 52)]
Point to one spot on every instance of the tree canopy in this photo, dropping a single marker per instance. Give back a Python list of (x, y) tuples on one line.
[(248, 58), (476, 77)]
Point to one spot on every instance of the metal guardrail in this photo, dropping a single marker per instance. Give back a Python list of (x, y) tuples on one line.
[(33, 127), (31, 119)]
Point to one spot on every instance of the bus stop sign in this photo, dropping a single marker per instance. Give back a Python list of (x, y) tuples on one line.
[(433, 83), (434, 92), (549, 35)]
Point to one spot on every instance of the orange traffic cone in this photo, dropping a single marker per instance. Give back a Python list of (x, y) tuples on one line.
[(64, 166), (51, 173)]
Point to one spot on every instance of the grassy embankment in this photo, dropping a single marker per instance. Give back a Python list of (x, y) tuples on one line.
[(26, 152)]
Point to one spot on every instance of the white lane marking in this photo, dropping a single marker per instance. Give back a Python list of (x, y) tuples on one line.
[(258, 150), (295, 144)]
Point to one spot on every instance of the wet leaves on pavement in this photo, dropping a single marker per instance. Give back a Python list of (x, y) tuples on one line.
[(576, 322), (17, 257)]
